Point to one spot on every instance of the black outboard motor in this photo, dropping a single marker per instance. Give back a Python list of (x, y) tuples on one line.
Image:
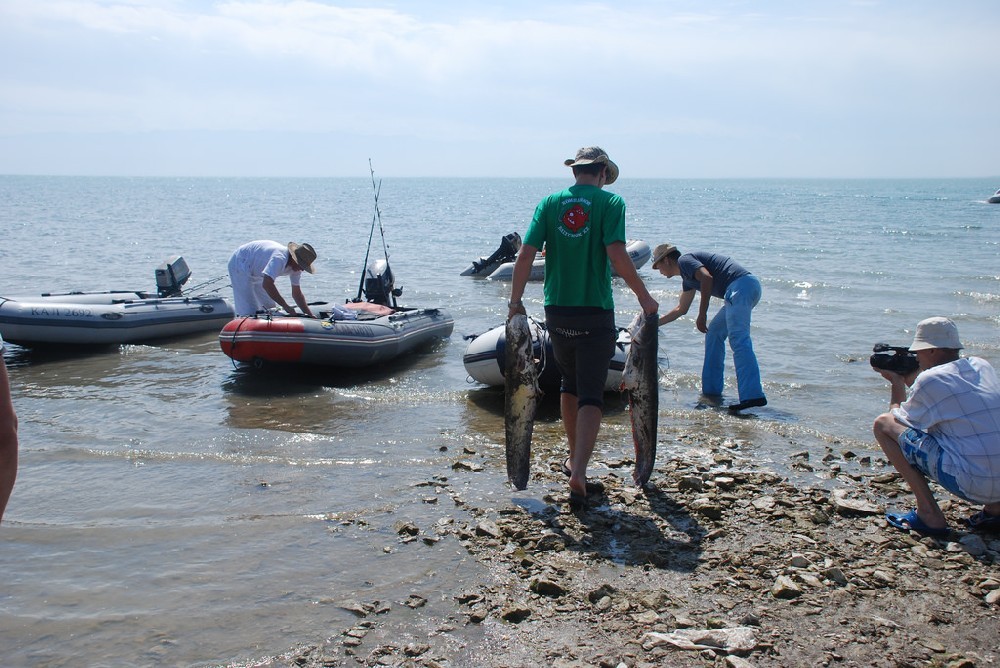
[(379, 284), (170, 276), (509, 245)]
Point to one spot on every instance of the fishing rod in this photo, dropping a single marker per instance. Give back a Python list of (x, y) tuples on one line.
[(376, 217), (205, 284)]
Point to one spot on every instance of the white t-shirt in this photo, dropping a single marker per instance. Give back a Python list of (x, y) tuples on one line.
[(266, 258)]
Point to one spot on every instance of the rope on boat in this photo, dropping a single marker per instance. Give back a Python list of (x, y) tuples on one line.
[(232, 347)]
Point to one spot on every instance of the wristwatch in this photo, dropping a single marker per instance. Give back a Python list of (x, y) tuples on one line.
[(514, 304)]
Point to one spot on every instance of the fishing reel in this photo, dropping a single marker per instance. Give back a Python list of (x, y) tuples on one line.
[(379, 284)]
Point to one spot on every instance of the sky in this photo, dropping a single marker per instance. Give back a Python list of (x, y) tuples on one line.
[(670, 89)]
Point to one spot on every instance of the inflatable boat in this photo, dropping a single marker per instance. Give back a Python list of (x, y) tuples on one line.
[(369, 339), (114, 317), (355, 334), (638, 251), (484, 358)]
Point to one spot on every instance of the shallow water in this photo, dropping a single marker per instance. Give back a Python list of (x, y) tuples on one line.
[(173, 510)]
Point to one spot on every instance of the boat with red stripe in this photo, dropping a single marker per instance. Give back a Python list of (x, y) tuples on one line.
[(378, 334)]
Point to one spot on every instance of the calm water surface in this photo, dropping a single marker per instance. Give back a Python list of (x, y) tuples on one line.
[(173, 510)]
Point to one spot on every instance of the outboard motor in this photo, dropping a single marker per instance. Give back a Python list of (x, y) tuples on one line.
[(509, 245), (379, 284), (170, 276)]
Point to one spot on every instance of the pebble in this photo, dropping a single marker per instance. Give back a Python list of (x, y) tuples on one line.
[(785, 588)]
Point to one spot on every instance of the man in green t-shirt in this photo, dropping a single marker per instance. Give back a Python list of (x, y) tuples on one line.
[(582, 229)]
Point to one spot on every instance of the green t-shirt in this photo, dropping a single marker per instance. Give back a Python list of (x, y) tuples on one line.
[(575, 226)]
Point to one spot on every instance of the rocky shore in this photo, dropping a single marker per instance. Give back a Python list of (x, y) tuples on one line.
[(716, 563)]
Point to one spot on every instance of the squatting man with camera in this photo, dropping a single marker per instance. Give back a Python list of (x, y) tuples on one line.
[(947, 430)]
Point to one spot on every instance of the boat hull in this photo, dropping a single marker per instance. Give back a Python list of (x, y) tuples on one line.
[(327, 342), (484, 359), (638, 251), (107, 318)]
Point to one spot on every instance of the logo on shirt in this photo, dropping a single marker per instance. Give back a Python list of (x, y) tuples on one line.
[(575, 218)]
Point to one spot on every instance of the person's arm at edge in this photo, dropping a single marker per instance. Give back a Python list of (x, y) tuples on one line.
[(519, 278), (8, 440), (624, 267)]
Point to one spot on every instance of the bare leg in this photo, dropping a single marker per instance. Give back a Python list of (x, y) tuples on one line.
[(887, 432), (568, 410), (588, 424)]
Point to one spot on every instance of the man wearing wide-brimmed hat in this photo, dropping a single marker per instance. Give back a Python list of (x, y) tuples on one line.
[(582, 229), (254, 267), (948, 430)]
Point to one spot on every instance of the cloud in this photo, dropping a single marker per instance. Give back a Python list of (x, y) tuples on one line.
[(473, 71)]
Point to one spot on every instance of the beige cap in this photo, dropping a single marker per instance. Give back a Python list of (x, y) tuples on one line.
[(936, 332)]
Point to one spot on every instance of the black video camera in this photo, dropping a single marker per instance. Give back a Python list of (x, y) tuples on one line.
[(893, 358)]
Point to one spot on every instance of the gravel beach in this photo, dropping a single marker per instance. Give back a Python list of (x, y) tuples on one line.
[(716, 563)]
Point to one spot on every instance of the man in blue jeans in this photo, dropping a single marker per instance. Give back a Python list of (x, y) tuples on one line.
[(718, 276)]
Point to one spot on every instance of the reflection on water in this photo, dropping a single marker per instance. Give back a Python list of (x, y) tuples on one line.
[(171, 506)]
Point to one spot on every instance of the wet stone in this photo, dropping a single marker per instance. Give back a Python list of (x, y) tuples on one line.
[(415, 601), (488, 529), (516, 614), (546, 587), (356, 607), (407, 529)]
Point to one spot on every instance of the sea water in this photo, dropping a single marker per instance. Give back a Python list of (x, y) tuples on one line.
[(172, 509)]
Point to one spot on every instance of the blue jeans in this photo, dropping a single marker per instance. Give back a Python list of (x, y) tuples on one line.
[(733, 322)]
